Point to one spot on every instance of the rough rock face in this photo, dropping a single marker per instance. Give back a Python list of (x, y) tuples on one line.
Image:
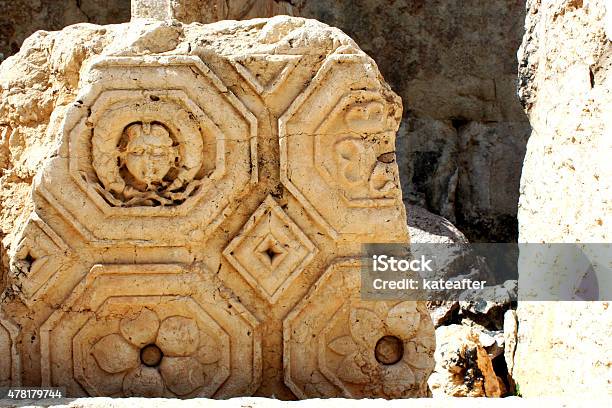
[(463, 136), (463, 366), (183, 206), (22, 18), (566, 88)]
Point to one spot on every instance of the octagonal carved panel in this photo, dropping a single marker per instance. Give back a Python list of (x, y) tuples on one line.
[(141, 330), (337, 345), (148, 143)]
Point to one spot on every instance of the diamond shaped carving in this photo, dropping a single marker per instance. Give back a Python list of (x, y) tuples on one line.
[(270, 251)]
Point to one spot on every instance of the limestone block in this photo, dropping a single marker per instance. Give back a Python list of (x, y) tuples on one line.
[(510, 333), (565, 66), (194, 200)]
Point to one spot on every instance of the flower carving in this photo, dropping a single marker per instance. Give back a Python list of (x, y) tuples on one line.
[(384, 353), (155, 356)]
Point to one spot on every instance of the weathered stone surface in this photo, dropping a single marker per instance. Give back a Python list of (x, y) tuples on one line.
[(455, 258), (490, 159), (454, 255), (192, 199), (486, 307), (565, 70), (463, 367), (462, 171), (425, 50), (209, 11)]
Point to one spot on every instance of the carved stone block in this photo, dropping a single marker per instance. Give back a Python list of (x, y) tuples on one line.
[(197, 215)]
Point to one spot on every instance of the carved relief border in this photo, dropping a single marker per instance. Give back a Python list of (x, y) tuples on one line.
[(10, 363)]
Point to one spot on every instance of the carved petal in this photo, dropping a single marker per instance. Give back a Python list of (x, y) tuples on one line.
[(182, 375), (178, 336), (143, 382), (209, 351), (366, 328), (343, 345), (403, 320), (350, 371), (114, 354), (140, 329), (416, 359), (397, 379)]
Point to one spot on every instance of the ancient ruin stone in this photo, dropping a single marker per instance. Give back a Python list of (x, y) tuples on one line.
[(565, 70), (188, 201)]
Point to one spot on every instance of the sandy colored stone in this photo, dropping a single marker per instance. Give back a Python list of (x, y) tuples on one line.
[(565, 69), (187, 194), (380, 349)]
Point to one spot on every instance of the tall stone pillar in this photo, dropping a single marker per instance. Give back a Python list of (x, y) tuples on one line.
[(198, 200), (565, 75)]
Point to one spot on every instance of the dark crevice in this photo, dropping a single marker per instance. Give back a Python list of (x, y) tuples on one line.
[(459, 122)]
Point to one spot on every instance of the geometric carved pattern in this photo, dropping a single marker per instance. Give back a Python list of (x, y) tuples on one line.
[(338, 344), (338, 148), (151, 170), (265, 72), (270, 251), (140, 330), (144, 346), (36, 258)]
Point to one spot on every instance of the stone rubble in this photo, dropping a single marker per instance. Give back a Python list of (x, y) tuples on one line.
[(463, 366)]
